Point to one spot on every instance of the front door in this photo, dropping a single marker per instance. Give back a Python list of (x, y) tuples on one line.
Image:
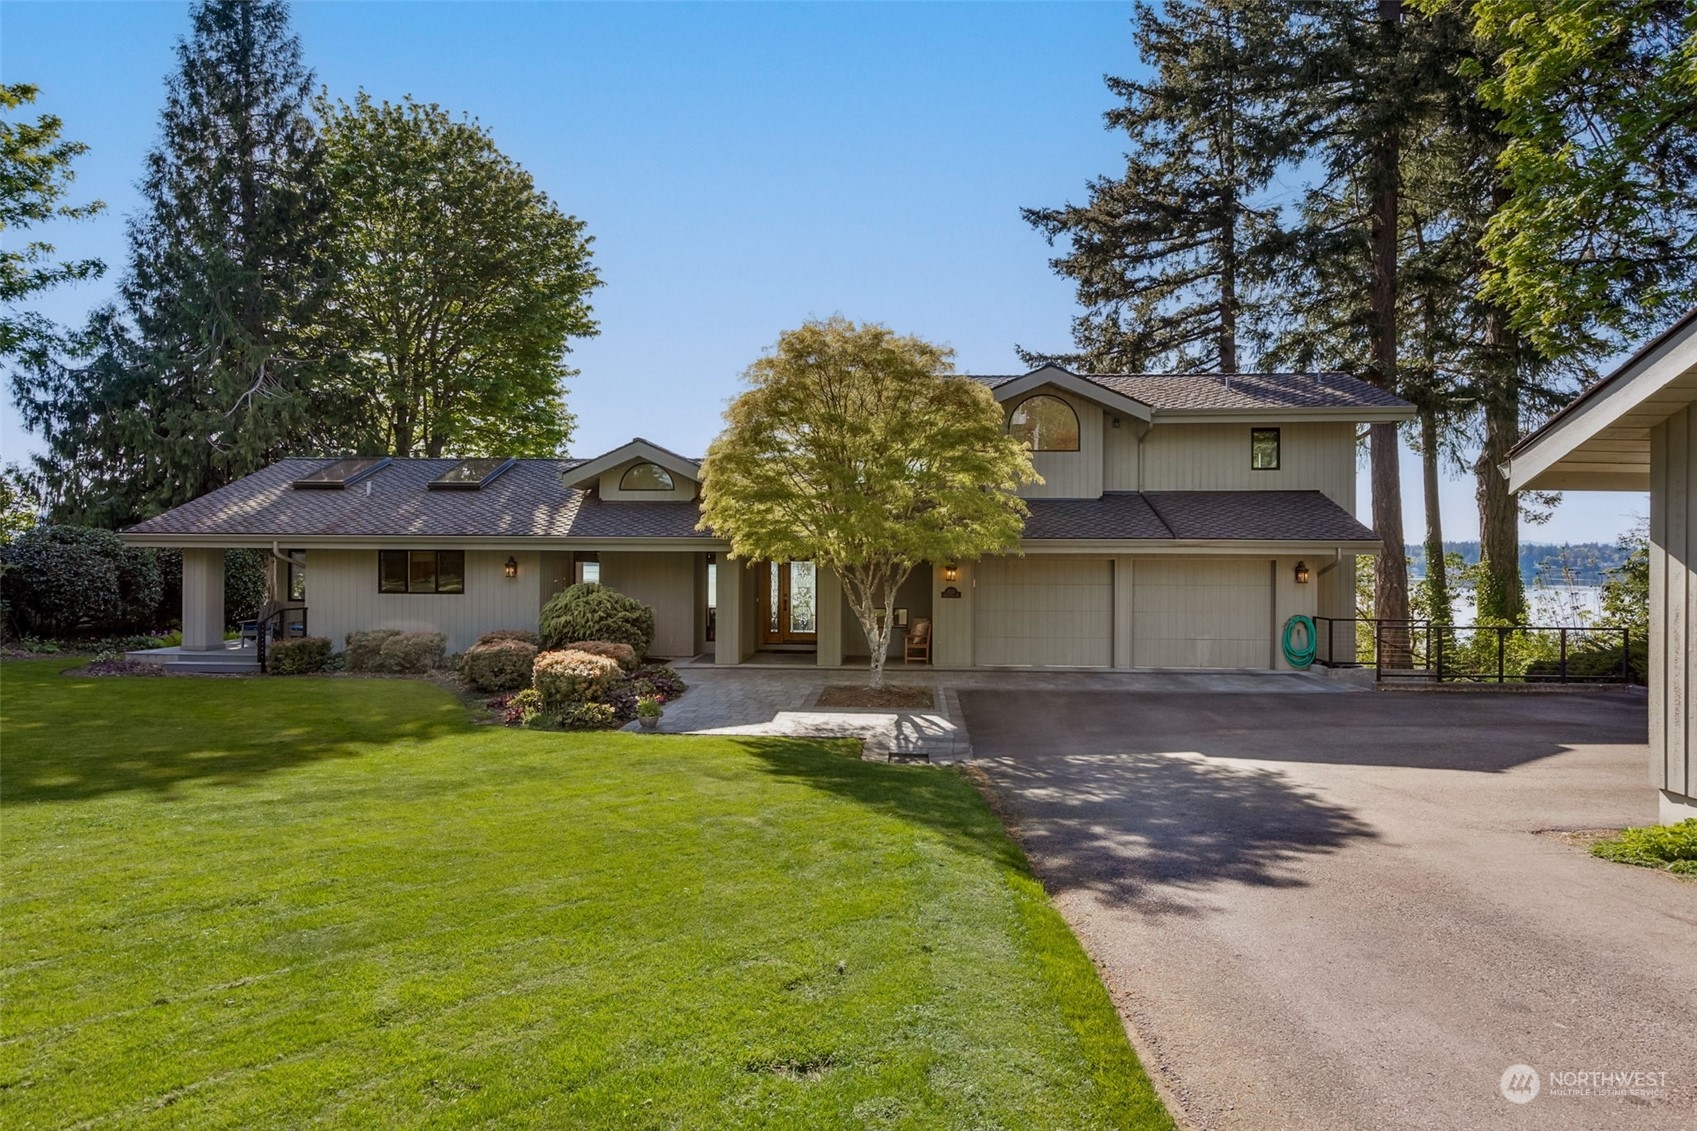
[(789, 611)]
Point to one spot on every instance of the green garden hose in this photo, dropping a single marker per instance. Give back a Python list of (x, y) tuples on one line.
[(1303, 656)]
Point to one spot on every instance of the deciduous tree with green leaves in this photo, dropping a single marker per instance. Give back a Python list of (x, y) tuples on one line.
[(459, 286), (855, 448), (35, 177)]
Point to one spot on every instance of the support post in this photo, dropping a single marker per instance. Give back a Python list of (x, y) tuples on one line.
[(728, 618), (203, 600)]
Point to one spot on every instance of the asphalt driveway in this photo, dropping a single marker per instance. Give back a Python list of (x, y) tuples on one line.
[(1343, 911)]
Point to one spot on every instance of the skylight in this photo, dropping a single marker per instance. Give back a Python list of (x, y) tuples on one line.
[(471, 474), (340, 473)]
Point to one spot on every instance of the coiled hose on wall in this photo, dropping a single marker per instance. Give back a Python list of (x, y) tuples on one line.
[(1303, 656)]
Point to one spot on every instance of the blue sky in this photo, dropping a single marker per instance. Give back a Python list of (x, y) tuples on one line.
[(742, 167)]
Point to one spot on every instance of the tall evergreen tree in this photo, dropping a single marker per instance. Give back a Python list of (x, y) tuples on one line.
[(1169, 258), (35, 176), (209, 380)]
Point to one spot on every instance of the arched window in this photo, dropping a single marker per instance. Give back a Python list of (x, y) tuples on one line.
[(646, 477), (1047, 424)]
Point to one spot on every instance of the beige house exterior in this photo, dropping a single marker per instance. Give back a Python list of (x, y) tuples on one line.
[(1636, 430), (1168, 532)]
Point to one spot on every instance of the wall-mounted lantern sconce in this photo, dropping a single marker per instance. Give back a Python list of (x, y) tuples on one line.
[(511, 569), (1302, 573), (951, 572), (1116, 422)]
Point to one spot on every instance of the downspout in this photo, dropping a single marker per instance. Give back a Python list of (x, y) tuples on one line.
[(277, 552)]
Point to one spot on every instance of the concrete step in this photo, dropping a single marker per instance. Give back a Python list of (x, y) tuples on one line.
[(230, 662)]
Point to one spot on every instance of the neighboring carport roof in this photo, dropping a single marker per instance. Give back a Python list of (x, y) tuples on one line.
[(1601, 442), (1196, 516)]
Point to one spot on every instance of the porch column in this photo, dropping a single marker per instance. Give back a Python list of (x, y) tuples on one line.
[(728, 617), (203, 600), (828, 608)]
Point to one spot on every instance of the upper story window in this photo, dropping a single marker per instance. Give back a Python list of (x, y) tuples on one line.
[(1046, 424), (1264, 449), (646, 477)]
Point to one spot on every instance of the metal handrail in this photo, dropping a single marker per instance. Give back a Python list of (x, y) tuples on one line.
[(264, 632)]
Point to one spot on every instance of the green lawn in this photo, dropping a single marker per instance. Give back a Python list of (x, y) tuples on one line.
[(336, 901)]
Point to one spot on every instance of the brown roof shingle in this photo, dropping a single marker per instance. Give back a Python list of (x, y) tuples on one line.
[(1181, 392)]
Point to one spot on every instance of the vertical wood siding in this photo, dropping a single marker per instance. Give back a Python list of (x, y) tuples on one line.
[(1215, 457), (1673, 603), (342, 597), (665, 581), (1068, 475)]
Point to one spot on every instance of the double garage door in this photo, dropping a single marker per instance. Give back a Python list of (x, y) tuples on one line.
[(1185, 613)]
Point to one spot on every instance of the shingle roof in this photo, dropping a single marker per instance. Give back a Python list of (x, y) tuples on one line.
[(530, 501), (1248, 516), (1182, 392)]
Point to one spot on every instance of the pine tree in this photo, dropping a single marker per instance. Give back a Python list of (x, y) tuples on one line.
[(205, 378), (1169, 258)]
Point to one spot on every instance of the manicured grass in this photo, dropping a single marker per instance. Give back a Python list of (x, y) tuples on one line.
[(1672, 848), (267, 903)]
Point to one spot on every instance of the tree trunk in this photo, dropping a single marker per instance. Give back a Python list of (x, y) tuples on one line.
[(869, 588), (1502, 596), (1390, 598), (1437, 571)]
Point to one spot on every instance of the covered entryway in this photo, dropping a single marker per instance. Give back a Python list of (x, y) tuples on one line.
[(1044, 612), (1202, 613)]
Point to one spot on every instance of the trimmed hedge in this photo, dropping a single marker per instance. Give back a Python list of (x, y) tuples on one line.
[(622, 654), (364, 649), (413, 653), (298, 655), (389, 650), (498, 665), (593, 612), (563, 678), (523, 634)]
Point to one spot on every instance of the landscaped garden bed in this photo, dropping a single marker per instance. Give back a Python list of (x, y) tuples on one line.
[(280, 902), (890, 695)]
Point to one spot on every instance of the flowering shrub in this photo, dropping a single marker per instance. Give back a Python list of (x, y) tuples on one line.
[(519, 708), (564, 678), (622, 654), (502, 664)]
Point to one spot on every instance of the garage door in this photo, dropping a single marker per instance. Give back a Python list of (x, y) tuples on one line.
[(1044, 612), (1201, 614)]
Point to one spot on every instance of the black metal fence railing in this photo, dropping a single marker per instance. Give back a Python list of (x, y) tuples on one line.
[(285, 622), (1476, 653)]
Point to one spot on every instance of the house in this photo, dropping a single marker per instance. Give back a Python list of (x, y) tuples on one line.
[(1182, 519), (1636, 430)]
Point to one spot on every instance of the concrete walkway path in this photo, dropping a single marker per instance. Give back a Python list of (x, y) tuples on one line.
[(781, 699), (1341, 912)]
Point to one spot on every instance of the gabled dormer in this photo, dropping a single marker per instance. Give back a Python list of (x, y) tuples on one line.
[(639, 472), (1065, 418)]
